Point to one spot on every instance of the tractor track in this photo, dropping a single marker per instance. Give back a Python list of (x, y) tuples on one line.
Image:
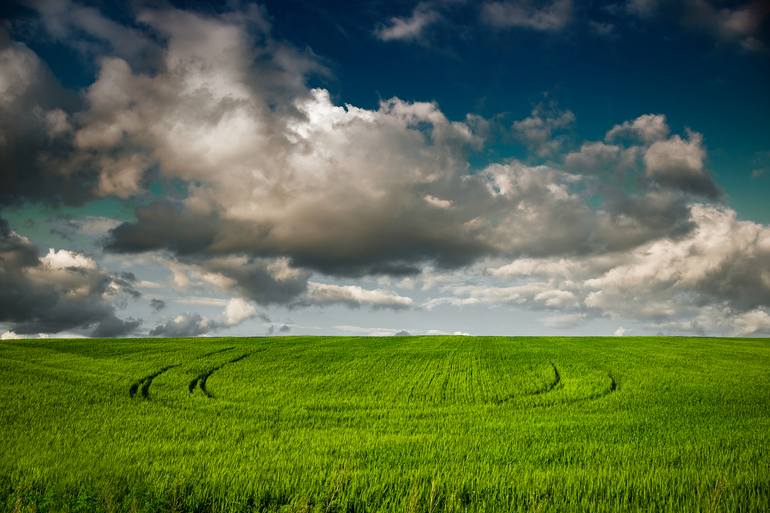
[(216, 352), (549, 386), (611, 388), (142, 386), (201, 379), (540, 391)]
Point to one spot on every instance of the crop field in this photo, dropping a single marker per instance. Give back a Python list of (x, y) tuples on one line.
[(395, 424)]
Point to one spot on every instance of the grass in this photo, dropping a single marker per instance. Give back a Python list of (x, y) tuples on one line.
[(422, 424)]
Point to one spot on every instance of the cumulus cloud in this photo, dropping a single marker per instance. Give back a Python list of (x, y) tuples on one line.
[(281, 189), (647, 128), (680, 163), (541, 130), (238, 310), (410, 27), (670, 162), (60, 291), (597, 157), (185, 325), (711, 279), (542, 16), (754, 322), (64, 259), (723, 259), (278, 171)]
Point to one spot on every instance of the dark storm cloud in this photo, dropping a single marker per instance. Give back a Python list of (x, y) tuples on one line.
[(58, 292), (263, 281), (35, 132), (392, 245), (166, 226), (114, 327)]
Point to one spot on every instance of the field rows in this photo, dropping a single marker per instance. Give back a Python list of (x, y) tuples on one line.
[(396, 424)]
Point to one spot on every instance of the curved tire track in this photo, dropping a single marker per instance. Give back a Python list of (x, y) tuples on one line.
[(201, 379), (216, 352), (612, 387), (549, 386), (143, 385)]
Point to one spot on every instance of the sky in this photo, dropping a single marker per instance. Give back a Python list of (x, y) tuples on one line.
[(500, 167)]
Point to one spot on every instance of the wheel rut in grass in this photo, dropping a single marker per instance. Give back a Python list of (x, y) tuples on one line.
[(544, 389), (201, 379), (142, 386), (550, 385), (609, 389), (212, 353)]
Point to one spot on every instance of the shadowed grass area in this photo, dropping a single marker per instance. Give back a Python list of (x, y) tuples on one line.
[(385, 424)]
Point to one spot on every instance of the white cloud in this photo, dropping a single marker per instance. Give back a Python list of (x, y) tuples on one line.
[(64, 259), (437, 202), (621, 331), (202, 301), (354, 296), (238, 310), (537, 267), (533, 294), (9, 335), (647, 128), (411, 27), (722, 259), (754, 322)]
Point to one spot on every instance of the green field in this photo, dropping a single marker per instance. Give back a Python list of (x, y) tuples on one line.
[(385, 424)]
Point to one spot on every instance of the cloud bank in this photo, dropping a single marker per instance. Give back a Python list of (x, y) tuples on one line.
[(289, 198)]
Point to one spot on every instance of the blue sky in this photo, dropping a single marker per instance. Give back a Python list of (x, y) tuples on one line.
[(501, 167)]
